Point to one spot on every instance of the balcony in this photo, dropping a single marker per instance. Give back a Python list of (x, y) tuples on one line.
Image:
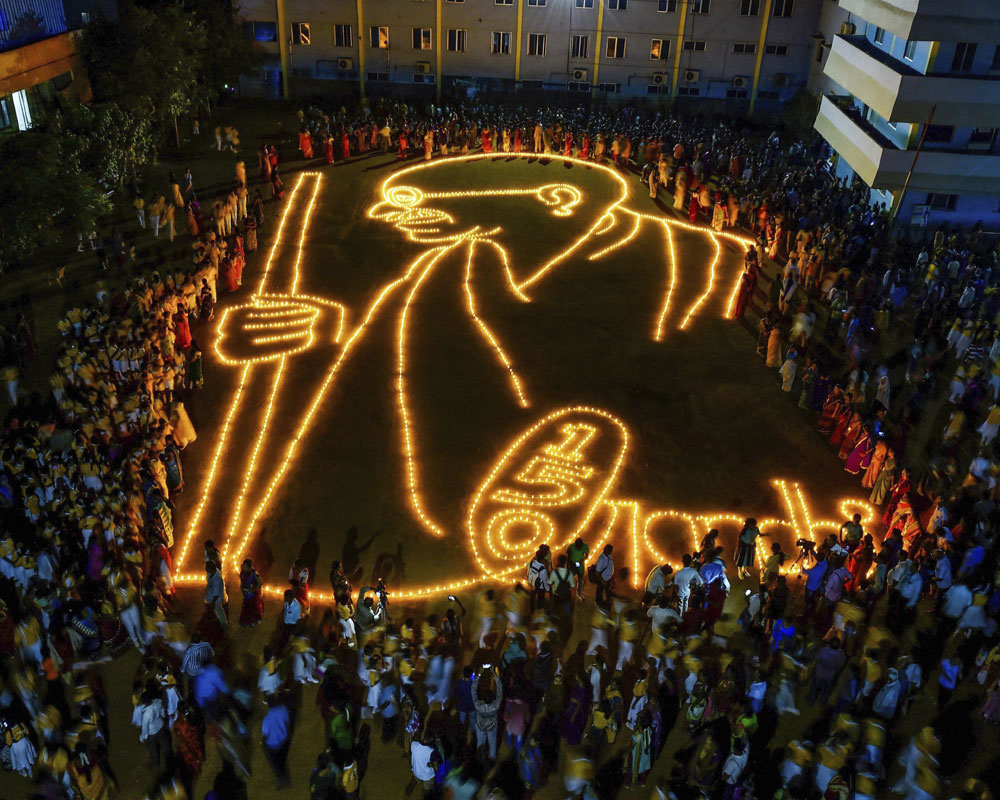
[(931, 20), (899, 93), (883, 166)]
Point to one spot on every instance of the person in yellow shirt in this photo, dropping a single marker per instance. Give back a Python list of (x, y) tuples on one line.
[(350, 780)]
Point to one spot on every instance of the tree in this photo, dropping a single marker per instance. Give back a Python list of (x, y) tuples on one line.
[(45, 198), (166, 58), (108, 142), (146, 61)]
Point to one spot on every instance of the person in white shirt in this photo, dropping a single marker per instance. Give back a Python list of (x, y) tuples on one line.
[(656, 582), (685, 578), (422, 763), (661, 613), (153, 727), (956, 600), (605, 568)]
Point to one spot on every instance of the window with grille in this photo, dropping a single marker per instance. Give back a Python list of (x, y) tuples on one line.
[(343, 36), (536, 44), (500, 43), (580, 46), (422, 39), (457, 38), (615, 47)]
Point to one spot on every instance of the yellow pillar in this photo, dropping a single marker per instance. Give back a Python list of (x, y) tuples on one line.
[(284, 50), (517, 46), (440, 47), (681, 19), (760, 52), (361, 49), (597, 48)]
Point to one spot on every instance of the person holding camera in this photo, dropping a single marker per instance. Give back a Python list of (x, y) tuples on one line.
[(487, 702)]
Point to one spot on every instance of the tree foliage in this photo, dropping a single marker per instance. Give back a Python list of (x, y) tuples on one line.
[(166, 58), (45, 197), (108, 142)]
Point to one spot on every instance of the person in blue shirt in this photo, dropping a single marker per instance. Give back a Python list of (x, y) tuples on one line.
[(814, 582), (209, 686), (463, 695), (275, 730)]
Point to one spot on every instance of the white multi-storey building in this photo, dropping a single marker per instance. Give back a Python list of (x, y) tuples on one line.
[(751, 52), (909, 75)]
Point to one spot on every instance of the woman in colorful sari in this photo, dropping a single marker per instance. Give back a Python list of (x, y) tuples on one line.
[(861, 456), (640, 757), (251, 235), (251, 587)]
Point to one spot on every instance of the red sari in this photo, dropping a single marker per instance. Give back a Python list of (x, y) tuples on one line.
[(182, 330), (307, 145), (345, 146), (694, 208), (328, 149), (851, 437), (585, 150), (517, 140), (568, 145), (402, 144), (840, 429), (832, 407), (487, 141)]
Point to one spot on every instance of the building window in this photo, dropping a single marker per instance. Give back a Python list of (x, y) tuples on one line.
[(965, 54), (736, 94), (455, 1), (695, 46), (910, 50), (536, 44), (879, 36), (688, 91), (578, 86), (504, 2), (536, 2), (256, 30), (783, 8), (996, 58), (666, 6), (615, 47), (749, 8), (776, 49), (700, 6), (580, 46), (611, 88), (584, 3), (617, 5), (942, 202), (457, 38), (377, 76), (423, 77), (659, 49), (379, 36), (300, 33), (343, 36), (500, 43), (422, 39), (744, 48)]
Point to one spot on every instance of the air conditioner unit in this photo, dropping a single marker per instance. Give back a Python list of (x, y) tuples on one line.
[(423, 67), (345, 63), (579, 75), (848, 29), (692, 75), (740, 82), (659, 79), (780, 80)]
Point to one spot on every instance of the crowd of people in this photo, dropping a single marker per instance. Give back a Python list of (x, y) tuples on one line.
[(517, 694)]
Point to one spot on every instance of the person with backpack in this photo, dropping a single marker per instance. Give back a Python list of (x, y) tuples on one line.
[(576, 555), (563, 582), (538, 576), (601, 574)]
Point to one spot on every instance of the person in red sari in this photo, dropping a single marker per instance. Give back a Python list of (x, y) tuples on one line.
[(229, 275), (306, 144), (694, 208), (518, 141), (568, 145), (182, 330), (843, 420), (487, 140), (272, 157), (832, 407), (328, 149), (251, 587), (851, 436), (404, 136), (748, 285), (345, 146), (585, 150), (277, 185)]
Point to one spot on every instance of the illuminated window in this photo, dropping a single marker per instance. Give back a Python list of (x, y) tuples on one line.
[(300, 33), (659, 49), (379, 36)]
